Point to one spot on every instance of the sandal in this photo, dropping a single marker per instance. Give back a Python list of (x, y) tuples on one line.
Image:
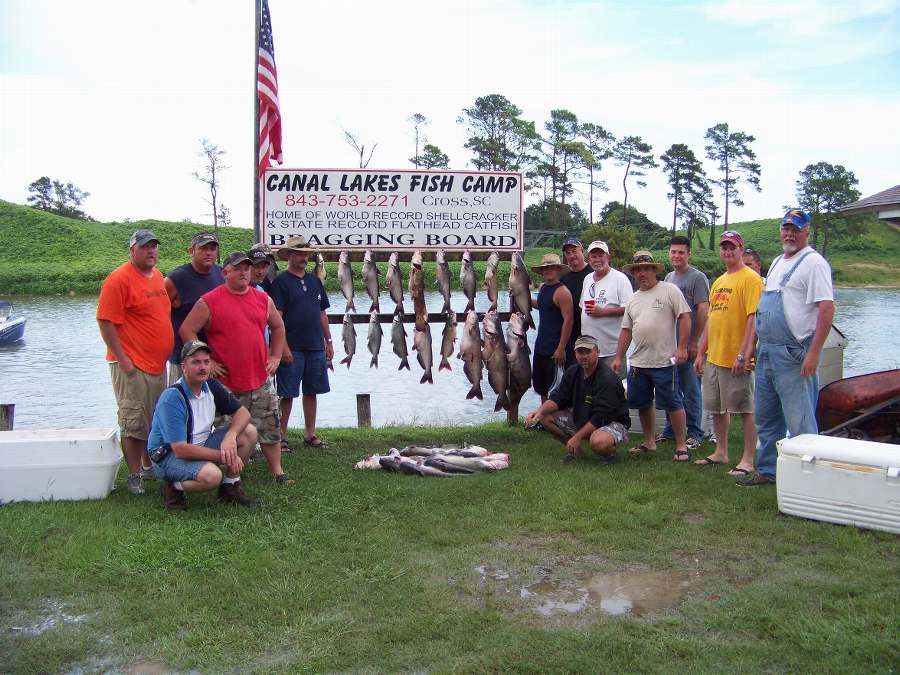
[(708, 461), (681, 455), (314, 442), (738, 471), (640, 450), (282, 479), (284, 446)]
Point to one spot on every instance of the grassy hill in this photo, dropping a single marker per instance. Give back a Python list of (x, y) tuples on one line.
[(42, 253)]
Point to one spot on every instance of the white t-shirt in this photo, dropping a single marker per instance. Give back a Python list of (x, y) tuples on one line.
[(810, 283), (203, 409), (613, 290)]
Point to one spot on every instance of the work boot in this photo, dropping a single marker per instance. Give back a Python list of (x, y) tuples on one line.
[(231, 493), (173, 498)]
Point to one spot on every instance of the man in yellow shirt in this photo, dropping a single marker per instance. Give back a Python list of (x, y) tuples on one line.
[(729, 342)]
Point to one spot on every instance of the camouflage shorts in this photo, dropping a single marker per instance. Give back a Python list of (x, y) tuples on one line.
[(264, 412)]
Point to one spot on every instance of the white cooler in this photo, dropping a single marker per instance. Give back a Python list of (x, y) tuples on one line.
[(58, 464), (839, 480)]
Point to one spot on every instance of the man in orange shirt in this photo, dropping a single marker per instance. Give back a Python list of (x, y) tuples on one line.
[(133, 315)]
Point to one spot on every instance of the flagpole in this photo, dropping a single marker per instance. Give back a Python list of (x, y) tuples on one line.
[(257, 232)]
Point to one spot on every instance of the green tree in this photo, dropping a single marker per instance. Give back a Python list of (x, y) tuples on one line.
[(736, 163), (647, 232), (213, 166), (550, 214), (622, 241), (431, 158), (63, 199), (499, 138), (822, 189), (598, 143), (635, 155), (419, 122), (563, 155), (686, 177)]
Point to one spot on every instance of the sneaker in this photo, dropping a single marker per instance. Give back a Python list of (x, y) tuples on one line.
[(607, 459), (231, 493), (135, 483), (173, 498), (282, 479), (568, 457), (692, 443), (662, 438), (147, 473), (755, 481)]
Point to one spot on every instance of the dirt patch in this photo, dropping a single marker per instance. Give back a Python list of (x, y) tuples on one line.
[(573, 590), (869, 266), (694, 518)]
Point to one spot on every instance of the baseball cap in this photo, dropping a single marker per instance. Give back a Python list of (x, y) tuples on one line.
[(732, 236), (142, 238), (236, 258), (586, 342), (571, 241), (257, 256), (598, 245), (192, 346), (797, 218), (203, 238)]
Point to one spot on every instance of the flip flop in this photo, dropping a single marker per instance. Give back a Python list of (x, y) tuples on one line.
[(681, 456), (708, 461), (314, 442), (640, 450), (738, 471)]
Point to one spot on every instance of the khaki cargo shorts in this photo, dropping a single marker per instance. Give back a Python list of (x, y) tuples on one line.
[(265, 414), (136, 395), (725, 393), (564, 421)]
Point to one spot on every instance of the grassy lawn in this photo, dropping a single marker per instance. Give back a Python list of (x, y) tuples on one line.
[(368, 571)]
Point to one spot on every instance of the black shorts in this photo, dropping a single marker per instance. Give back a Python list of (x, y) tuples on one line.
[(543, 371)]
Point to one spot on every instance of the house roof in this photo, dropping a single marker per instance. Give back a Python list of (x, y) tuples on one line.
[(886, 199)]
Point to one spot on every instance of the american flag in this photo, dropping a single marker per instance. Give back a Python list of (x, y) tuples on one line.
[(269, 141)]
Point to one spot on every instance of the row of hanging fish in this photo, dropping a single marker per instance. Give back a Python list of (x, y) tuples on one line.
[(445, 461)]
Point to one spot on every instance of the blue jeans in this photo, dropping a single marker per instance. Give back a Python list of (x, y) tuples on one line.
[(693, 403), (784, 401), (173, 469)]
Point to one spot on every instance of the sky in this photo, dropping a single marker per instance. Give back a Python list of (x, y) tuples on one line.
[(115, 96)]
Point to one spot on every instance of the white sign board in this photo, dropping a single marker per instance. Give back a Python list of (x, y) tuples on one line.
[(393, 210)]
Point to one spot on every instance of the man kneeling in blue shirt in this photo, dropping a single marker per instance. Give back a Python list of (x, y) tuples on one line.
[(185, 450)]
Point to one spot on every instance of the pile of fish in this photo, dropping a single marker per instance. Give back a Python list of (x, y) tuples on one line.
[(507, 358), (444, 461)]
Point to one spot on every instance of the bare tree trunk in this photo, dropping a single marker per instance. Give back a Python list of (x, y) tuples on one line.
[(625, 188), (591, 191)]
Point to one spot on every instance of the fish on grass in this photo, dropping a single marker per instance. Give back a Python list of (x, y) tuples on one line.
[(470, 353), (417, 289), (395, 282), (411, 466), (370, 279), (319, 270), (422, 346), (490, 279), (495, 359), (467, 280), (448, 341), (398, 342), (345, 276), (348, 335), (443, 280), (374, 340), (520, 289), (519, 358)]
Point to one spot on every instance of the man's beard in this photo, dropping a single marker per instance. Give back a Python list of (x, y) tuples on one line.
[(789, 249)]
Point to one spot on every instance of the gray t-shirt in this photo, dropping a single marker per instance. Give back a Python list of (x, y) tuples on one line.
[(694, 285)]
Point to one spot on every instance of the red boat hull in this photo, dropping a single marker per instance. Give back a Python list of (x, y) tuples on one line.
[(845, 399)]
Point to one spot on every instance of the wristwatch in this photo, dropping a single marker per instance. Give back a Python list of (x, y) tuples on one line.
[(328, 339), (740, 358)]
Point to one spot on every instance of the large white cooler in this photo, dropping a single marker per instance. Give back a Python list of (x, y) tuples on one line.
[(58, 464), (839, 480)]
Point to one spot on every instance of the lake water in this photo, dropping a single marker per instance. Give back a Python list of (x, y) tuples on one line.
[(58, 378)]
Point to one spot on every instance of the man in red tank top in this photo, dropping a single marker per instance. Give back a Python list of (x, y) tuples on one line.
[(234, 317)]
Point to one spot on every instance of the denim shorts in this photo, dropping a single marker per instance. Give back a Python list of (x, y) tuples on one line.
[(173, 469), (308, 367), (643, 382)]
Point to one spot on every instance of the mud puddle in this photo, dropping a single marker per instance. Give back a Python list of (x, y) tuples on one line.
[(53, 617), (572, 590)]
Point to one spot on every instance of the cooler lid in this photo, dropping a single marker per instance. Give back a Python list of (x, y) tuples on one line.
[(881, 455)]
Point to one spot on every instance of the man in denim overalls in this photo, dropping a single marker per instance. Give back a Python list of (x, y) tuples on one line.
[(792, 321)]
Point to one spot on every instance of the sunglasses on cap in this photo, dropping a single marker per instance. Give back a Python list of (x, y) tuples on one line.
[(797, 218)]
